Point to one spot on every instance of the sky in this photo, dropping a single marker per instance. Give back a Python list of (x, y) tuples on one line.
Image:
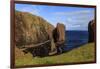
[(74, 18)]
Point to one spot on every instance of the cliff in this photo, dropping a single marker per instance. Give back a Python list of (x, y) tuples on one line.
[(31, 29), (36, 34), (92, 31)]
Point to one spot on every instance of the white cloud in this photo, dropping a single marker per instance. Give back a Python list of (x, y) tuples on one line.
[(75, 25), (30, 10), (76, 20), (77, 16), (74, 12), (69, 19)]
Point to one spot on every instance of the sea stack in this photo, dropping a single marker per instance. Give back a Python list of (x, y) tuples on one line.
[(91, 31), (59, 36)]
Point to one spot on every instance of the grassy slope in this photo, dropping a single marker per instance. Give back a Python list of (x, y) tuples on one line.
[(82, 54)]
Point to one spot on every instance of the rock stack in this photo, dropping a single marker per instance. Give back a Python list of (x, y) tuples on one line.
[(91, 31), (59, 36)]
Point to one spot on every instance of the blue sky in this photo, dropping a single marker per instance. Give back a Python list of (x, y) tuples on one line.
[(74, 18)]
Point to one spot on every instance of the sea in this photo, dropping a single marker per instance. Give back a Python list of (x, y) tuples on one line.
[(75, 39)]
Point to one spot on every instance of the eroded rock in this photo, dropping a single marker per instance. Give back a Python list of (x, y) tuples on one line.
[(30, 31), (59, 34), (91, 31), (59, 37)]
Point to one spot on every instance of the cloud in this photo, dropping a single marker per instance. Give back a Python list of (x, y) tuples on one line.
[(75, 20), (75, 25), (69, 19), (74, 12), (77, 16), (30, 9)]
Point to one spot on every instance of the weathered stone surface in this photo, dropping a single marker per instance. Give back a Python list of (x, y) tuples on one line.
[(59, 34), (31, 30), (91, 31), (59, 37)]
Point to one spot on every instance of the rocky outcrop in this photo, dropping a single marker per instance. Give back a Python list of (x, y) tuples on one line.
[(91, 31), (59, 36), (36, 35), (31, 30)]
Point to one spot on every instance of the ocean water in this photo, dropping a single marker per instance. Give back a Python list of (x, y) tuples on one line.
[(75, 39)]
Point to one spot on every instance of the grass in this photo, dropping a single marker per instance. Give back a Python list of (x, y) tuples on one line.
[(84, 53)]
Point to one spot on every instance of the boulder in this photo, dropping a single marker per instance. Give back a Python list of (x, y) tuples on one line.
[(91, 31)]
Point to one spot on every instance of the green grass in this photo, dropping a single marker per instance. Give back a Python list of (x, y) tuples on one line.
[(84, 53)]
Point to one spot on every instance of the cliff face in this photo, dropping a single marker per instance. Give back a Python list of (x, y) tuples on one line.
[(59, 34), (31, 29), (92, 31)]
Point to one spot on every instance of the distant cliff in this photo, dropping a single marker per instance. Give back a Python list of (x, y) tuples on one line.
[(92, 31)]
